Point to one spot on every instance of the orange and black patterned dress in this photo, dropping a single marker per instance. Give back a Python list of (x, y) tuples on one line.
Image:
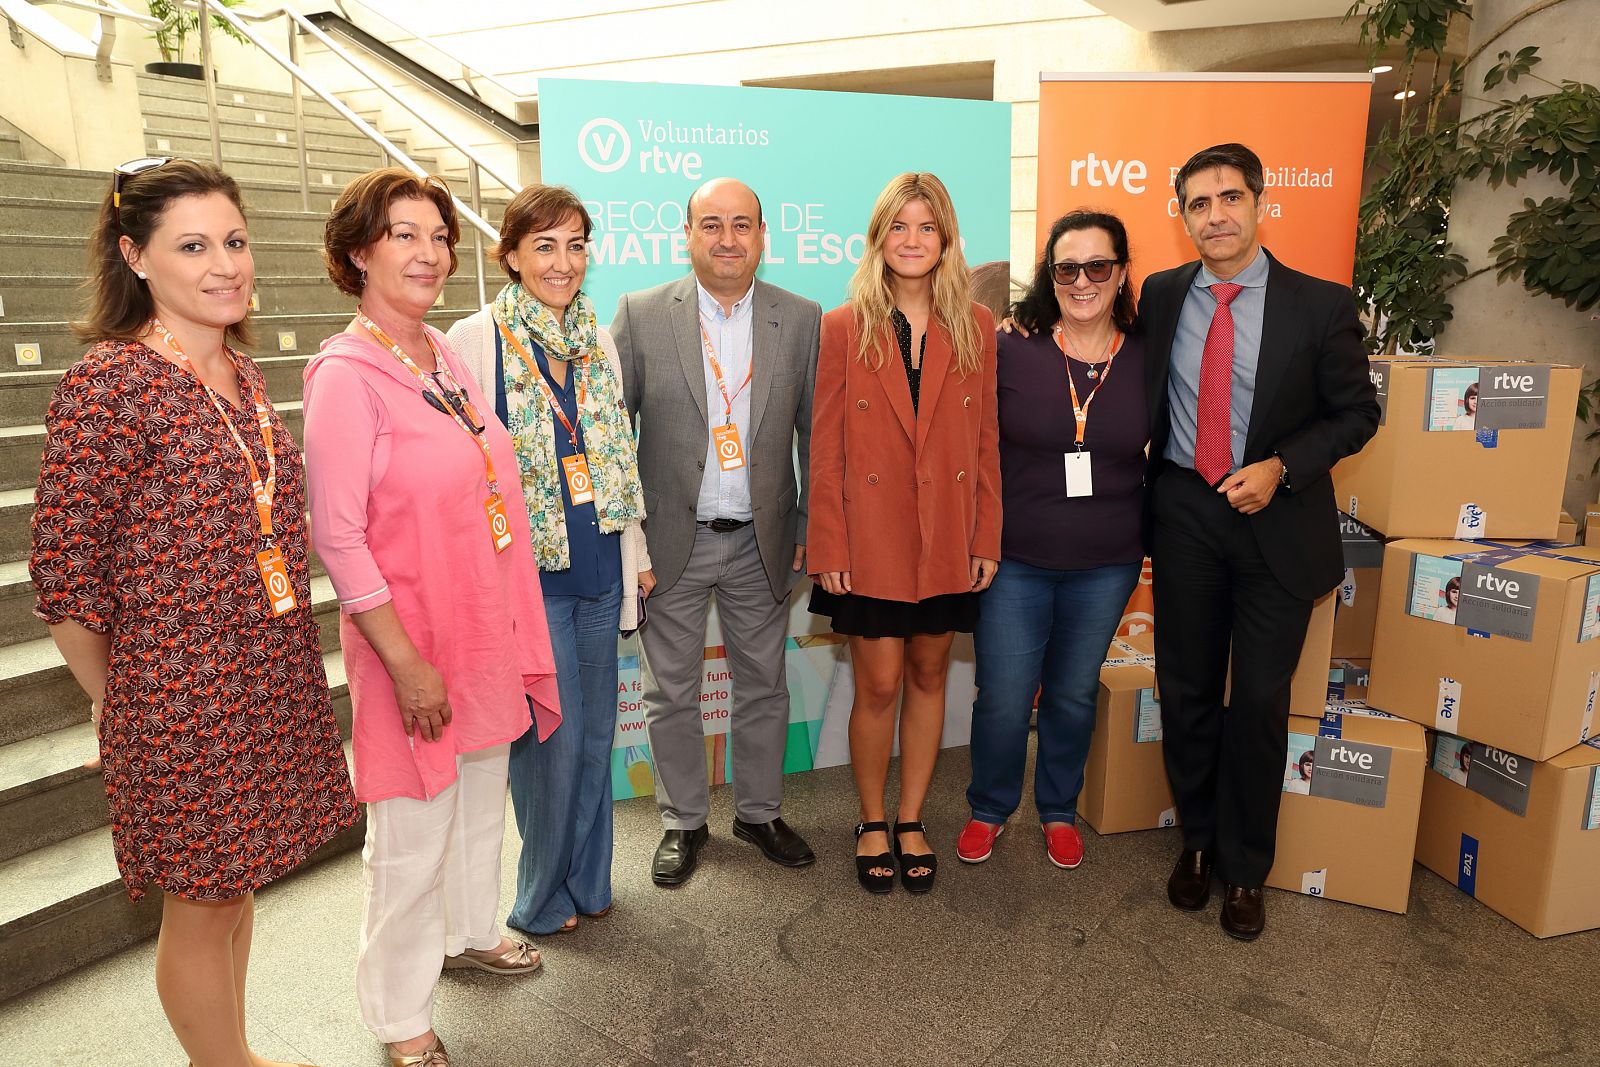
[(222, 757)]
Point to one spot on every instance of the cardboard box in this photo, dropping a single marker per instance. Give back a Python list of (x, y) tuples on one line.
[(1125, 779), (1540, 868), (1514, 663), (1356, 610), (1348, 680), (1567, 529), (1591, 522), (1437, 469), (1347, 827)]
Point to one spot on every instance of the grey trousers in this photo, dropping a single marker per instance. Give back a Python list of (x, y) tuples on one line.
[(673, 640)]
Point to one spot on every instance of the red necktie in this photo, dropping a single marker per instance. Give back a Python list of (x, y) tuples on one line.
[(1213, 449)]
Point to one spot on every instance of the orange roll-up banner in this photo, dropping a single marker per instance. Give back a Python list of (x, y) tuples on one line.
[(1113, 141)]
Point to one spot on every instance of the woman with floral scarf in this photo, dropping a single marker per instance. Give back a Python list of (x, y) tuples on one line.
[(557, 386)]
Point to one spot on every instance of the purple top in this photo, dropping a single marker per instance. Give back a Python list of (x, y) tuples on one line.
[(1043, 527)]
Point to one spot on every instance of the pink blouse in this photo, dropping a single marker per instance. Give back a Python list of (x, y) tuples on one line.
[(397, 494)]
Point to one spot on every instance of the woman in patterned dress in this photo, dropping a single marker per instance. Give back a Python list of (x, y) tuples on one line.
[(557, 385), (417, 513), (167, 479)]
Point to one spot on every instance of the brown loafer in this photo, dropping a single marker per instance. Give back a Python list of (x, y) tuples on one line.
[(1190, 885), (1244, 912), (520, 958)]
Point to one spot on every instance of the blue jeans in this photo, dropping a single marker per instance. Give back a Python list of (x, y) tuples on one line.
[(561, 787), (1038, 628)]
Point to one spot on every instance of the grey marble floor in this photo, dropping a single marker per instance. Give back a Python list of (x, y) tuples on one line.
[(1012, 962)]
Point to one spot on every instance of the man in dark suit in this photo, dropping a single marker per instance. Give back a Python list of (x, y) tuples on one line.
[(1258, 385), (718, 369)]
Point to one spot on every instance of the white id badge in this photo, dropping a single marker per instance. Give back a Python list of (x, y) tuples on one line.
[(1080, 482)]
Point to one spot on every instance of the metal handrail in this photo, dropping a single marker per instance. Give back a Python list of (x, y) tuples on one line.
[(469, 73), (300, 77), (109, 11)]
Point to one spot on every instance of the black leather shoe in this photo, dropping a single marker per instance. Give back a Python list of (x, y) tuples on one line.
[(676, 855), (1190, 885), (1244, 912), (776, 841)]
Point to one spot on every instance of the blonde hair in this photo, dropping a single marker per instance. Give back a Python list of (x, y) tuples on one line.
[(872, 297)]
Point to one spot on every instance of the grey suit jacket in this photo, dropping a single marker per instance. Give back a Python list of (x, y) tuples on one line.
[(658, 339)]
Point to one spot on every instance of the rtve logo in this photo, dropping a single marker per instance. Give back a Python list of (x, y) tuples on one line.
[(1097, 173), (603, 144)]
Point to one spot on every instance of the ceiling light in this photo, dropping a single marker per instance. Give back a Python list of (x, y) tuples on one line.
[(1408, 94), (1381, 68)]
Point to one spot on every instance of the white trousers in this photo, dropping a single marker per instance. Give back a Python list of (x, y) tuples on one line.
[(432, 870)]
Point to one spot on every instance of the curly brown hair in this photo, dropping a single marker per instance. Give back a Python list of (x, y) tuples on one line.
[(361, 216)]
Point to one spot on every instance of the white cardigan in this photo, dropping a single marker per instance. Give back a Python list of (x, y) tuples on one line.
[(473, 339)]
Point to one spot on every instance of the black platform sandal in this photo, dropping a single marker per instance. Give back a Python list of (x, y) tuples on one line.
[(910, 861), (866, 865)]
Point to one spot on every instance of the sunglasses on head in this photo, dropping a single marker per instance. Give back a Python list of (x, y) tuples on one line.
[(1097, 270), (127, 170)]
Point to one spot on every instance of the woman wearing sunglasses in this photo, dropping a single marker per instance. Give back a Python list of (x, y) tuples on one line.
[(169, 554), (1073, 430), (417, 513), (557, 384)]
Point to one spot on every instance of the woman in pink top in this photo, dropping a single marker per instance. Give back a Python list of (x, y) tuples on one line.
[(417, 513)]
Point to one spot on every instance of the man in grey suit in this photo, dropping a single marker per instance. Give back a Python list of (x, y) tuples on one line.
[(718, 371)]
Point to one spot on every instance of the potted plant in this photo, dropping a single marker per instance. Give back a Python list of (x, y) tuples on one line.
[(178, 22)]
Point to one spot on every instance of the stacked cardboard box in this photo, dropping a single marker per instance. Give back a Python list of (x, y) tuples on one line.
[(1523, 837), (1487, 640), (1465, 449), (1347, 826), (1125, 779)]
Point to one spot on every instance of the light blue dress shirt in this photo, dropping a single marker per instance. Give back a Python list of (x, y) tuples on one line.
[(1188, 345), (726, 494)]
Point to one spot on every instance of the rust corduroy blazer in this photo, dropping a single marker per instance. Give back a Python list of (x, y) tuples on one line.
[(903, 498)]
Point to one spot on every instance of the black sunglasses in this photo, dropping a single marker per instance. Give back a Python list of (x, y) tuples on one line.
[(126, 171), (1097, 270), (458, 403)]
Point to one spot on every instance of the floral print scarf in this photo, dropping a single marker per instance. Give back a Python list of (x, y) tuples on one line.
[(573, 338)]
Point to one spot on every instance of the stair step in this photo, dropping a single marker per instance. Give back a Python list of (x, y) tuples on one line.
[(64, 906), (49, 298), (60, 350), (236, 122), (183, 93), (279, 193), (197, 145), (56, 217), (61, 255)]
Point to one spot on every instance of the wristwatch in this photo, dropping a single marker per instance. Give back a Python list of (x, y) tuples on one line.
[(1283, 478)]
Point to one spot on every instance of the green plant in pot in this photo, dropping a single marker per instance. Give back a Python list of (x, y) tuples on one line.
[(179, 22)]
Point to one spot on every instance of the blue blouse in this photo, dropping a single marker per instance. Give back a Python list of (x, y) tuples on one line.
[(596, 558)]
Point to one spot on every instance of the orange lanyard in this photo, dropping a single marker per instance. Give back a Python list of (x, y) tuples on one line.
[(430, 386), (262, 491), (1080, 412), (716, 368), (580, 368)]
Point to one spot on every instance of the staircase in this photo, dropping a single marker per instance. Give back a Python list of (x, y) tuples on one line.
[(62, 904)]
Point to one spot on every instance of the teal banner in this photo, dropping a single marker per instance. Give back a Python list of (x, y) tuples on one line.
[(635, 151)]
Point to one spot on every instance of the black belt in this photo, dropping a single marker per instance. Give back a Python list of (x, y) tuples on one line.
[(724, 525)]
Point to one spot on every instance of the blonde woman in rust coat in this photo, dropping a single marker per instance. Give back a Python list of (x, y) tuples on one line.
[(905, 506)]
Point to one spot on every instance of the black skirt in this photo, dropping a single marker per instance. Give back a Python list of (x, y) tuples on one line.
[(865, 616)]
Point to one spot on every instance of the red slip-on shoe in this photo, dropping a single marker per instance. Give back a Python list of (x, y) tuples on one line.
[(976, 842), (1064, 845)]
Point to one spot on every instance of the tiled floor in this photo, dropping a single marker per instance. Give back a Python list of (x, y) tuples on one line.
[(1012, 962)]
